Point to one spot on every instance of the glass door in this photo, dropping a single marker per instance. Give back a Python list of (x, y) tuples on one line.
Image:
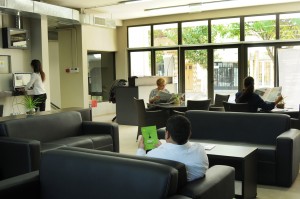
[(225, 72), (195, 70)]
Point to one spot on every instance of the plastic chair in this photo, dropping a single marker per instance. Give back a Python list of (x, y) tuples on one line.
[(235, 107), (147, 117)]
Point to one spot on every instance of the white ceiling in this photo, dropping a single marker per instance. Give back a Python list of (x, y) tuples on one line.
[(115, 10)]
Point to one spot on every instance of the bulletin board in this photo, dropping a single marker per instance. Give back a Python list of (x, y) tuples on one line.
[(5, 64)]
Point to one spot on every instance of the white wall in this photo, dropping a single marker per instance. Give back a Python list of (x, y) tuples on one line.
[(54, 73)]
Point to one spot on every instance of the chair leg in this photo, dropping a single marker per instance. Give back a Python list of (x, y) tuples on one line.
[(138, 133)]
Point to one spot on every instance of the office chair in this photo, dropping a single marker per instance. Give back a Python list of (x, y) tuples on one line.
[(195, 105), (236, 107), (218, 105), (149, 118), (112, 91)]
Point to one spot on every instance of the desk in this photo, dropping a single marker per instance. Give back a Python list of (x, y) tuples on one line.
[(169, 107), (293, 113), (86, 114), (244, 160)]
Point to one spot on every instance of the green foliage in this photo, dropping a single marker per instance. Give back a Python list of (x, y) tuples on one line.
[(29, 103)]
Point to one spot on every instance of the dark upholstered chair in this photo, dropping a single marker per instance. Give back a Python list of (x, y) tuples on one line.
[(147, 117), (235, 107), (218, 104), (295, 123), (195, 105)]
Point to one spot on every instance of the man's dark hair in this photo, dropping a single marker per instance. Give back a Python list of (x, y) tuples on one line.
[(179, 128)]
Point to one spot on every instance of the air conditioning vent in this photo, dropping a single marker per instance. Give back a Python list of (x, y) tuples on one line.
[(99, 21), (2, 3)]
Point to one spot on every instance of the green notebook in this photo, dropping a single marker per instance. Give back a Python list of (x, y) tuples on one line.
[(150, 137)]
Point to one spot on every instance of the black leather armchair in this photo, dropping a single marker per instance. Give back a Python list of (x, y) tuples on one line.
[(195, 105), (236, 107), (218, 102), (149, 117)]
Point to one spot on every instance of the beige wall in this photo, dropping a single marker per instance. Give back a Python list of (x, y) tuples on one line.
[(54, 72), (74, 87), (20, 59)]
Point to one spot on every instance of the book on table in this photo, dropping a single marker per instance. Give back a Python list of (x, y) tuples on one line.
[(150, 138)]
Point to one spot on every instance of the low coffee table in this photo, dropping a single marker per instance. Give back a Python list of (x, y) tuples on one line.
[(243, 159)]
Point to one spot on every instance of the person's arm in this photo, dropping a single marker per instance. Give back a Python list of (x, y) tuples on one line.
[(153, 97), (141, 147), (266, 106), (31, 82)]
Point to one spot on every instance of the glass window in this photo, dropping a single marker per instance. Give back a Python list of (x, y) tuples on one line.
[(289, 26), (140, 63), (195, 32), (139, 36), (195, 74), (261, 65), (226, 72), (100, 75), (166, 64), (260, 28), (289, 75), (225, 30), (165, 34)]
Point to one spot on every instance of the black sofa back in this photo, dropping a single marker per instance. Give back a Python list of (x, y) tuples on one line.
[(72, 174), (259, 128), (54, 127)]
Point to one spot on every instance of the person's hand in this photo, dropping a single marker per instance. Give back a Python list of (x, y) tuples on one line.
[(279, 99), (141, 144), (158, 144), (154, 99)]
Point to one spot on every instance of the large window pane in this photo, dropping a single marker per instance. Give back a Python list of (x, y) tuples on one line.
[(195, 32), (139, 36), (195, 74), (261, 65), (140, 63), (260, 28), (225, 30), (226, 72), (289, 75), (166, 64), (165, 34), (289, 26)]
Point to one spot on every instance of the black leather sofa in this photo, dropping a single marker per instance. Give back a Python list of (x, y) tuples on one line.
[(22, 140), (72, 172), (278, 144)]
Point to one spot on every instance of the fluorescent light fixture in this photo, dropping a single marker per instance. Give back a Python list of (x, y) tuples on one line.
[(213, 5), (97, 56), (132, 1)]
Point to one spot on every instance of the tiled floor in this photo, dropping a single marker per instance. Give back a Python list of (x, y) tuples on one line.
[(128, 145)]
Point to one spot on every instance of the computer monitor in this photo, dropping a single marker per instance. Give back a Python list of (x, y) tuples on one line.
[(20, 80)]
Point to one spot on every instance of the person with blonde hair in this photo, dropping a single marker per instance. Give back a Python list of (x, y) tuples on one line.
[(161, 84)]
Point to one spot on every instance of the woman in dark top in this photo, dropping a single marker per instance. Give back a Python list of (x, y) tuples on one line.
[(254, 101)]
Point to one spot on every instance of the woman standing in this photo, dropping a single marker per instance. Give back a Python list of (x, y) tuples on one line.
[(37, 85)]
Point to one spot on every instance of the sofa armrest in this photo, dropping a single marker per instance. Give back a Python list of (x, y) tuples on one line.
[(18, 156), (22, 186), (288, 156), (102, 128), (217, 183)]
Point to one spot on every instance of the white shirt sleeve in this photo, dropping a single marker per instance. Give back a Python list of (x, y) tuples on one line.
[(31, 82), (140, 152)]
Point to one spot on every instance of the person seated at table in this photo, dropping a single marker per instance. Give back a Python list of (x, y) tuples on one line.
[(178, 148), (153, 97), (254, 101)]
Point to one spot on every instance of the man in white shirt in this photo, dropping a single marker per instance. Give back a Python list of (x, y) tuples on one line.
[(178, 148)]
